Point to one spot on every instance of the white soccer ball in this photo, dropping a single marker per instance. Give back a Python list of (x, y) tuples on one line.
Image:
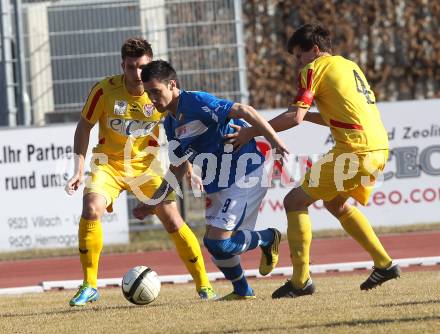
[(141, 285)]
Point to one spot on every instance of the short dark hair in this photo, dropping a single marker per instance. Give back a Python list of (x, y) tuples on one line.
[(308, 36), (136, 47), (160, 70)]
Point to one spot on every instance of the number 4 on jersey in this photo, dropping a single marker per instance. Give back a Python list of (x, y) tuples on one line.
[(361, 88)]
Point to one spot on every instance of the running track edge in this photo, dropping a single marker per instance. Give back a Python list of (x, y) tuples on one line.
[(174, 279)]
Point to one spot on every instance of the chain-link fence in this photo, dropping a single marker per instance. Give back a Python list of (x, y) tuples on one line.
[(70, 45)]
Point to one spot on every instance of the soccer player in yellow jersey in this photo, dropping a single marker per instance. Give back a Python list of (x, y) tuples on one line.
[(346, 105), (125, 152)]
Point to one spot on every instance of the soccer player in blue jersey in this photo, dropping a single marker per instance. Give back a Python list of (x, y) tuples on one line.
[(195, 126)]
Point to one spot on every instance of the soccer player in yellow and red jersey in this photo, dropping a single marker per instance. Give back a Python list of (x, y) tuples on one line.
[(127, 150), (346, 105)]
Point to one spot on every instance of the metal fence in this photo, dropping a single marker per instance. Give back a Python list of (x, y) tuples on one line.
[(70, 45), (205, 43)]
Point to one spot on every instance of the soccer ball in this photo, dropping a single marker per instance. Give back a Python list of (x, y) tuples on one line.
[(140, 285)]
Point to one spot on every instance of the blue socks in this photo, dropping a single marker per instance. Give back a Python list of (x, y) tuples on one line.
[(233, 272), (226, 255), (248, 240)]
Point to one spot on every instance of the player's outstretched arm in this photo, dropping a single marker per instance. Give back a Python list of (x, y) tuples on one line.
[(81, 143), (315, 117), (261, 126), (288, 119)]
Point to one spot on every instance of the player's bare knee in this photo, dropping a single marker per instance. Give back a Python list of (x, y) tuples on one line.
[(287, 203), (171, 225), (293, 203), (337, 209), (93, 208), (91, 212), (169, 216)]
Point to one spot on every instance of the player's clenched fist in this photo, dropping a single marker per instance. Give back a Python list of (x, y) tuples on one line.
[(73, 184)]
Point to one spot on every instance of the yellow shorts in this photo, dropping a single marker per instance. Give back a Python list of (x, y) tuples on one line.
[(111, 177), (344, 173)]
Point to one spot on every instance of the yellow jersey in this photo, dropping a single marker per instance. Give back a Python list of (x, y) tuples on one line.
[(126, 123), (345, 102)]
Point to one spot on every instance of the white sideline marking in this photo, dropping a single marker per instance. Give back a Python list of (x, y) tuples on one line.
[(21, 290), (282, 271)]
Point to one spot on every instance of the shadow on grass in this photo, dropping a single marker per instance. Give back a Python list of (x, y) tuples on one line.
[(424, 302), (354, 323), (75, 310)]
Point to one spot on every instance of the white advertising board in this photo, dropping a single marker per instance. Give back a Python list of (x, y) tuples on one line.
[(410, 192), (35, 164)]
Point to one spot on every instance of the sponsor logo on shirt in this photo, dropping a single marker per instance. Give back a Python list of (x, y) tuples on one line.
[(190, 129), (131, 127), (120, 107), (134, 108)]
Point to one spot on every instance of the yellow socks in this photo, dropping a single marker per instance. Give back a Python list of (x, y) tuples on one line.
[(90, 246), (358, 227), (189, 251), (299, 234)]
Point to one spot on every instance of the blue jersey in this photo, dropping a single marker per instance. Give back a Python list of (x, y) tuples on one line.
[(198, 131)]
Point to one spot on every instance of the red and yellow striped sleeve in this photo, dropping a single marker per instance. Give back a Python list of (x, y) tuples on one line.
[(94, 105), (306, 89)]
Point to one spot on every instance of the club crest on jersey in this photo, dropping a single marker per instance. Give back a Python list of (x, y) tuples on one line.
[(148, 110), (120, 107)]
